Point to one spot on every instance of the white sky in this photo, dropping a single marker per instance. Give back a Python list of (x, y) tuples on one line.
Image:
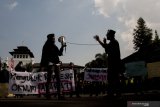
[(78, 20)]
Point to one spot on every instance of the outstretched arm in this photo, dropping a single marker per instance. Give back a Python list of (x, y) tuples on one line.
[(103, 44)]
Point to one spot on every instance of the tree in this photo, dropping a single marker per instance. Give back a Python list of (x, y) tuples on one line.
[(100, 61), (142, 35), (156, 39)]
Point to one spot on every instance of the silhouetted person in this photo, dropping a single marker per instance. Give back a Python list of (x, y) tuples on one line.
[(76, 80), (4, 74), (138, 84), (94, 88), (20, 67), (114, 62), (4, 80), (50, 57)]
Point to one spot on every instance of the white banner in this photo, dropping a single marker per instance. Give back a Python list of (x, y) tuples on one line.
[(95, 74), (34, 83)]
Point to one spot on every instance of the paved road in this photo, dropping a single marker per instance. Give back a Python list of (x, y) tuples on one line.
[(84, 101), (68, 102)]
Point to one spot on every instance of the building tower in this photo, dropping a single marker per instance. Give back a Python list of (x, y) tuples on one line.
[(22, 53)]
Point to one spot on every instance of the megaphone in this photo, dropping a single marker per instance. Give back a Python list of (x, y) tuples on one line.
[(61, 39)]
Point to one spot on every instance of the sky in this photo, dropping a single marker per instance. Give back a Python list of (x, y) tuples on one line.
[(28, 22)]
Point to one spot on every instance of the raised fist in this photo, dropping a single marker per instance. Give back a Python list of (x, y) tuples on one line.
[(96, 37)]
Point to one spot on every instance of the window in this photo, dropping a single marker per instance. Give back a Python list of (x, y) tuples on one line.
[(17, 56)]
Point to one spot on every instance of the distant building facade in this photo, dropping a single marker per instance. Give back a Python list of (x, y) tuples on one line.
[(22, 53)]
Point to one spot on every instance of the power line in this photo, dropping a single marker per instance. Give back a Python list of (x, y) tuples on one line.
[(80, 43)]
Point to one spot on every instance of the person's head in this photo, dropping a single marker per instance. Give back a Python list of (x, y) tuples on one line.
[(20, 63), (71, 65), (51, 37), (4, 66), (110, 34)]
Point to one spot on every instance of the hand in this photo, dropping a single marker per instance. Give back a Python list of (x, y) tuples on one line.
[(104, 40), (64, 45), (96, 37)]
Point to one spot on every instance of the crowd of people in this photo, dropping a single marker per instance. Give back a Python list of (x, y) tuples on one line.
[(127, 85)]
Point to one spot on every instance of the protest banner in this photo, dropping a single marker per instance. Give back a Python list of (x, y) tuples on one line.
[(67, 83), (34, 83), (95, 74)]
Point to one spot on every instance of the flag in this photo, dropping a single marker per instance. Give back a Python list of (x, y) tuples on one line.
[(11, 64)]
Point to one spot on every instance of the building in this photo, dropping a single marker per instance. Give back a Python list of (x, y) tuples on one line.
[(22, 53), (149, 55)]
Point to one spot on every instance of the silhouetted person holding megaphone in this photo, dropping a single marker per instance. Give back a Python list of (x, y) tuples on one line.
[(50, 61)]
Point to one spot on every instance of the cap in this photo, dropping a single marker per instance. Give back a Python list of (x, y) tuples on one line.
[(110, 31), (50, 35)]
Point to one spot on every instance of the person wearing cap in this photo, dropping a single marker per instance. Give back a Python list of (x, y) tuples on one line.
[(49, 59), (112, 49)]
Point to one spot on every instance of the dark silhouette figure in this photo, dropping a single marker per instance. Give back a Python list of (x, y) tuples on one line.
[(114, 62), (94, 88), (4, 78), (138, 84), (4, 74), (20, 67), (76, 80), (49, 61)]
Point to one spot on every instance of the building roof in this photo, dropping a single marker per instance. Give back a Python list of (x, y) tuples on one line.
[(22, 50), (149, 54)]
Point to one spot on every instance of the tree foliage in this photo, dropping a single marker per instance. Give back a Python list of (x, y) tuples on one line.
[(156, 39), (142, 35), (100, 61)]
